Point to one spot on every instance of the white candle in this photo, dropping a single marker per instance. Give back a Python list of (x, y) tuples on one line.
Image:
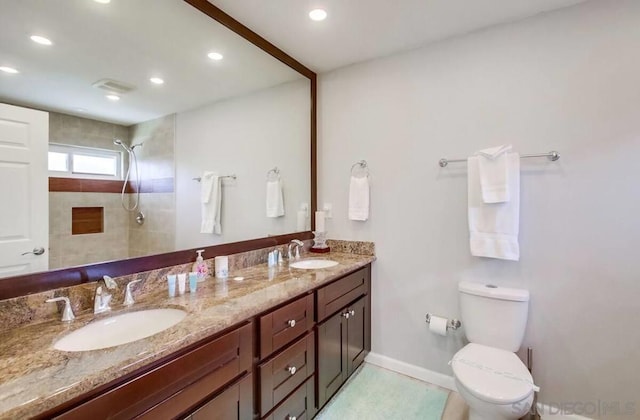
[(319, 221)]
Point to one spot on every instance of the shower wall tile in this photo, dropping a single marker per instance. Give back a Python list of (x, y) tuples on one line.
[(67, 250)]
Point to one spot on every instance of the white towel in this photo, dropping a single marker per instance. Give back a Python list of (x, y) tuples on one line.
[(493, 227), (494, 177), (211, 199), (275, 198), (359, 198)]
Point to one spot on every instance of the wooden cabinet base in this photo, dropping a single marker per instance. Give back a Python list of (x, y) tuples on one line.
[(299, 405)]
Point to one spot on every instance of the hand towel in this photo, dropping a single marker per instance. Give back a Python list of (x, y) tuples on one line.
[(275, 198), (494, 177), (211, 199), (494, 227), (359, 198)]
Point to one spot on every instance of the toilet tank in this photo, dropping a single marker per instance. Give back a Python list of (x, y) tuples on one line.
[(494, 316)]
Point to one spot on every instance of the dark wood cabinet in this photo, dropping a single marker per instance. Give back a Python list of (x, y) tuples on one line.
[(278, 328), (174, 388), (344, 339), (287, 361), (284, 373), (299, 405), (234, 403), (277, 366)]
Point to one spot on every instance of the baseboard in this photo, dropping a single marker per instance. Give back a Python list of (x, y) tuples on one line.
[(426, 375), (551, 413)]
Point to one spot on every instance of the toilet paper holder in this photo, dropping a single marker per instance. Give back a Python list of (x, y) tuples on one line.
[(452, 324)]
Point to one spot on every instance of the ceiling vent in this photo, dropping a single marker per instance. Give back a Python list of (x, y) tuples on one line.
[(113, 86)]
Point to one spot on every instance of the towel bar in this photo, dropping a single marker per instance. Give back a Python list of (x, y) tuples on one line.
[(552, 156), (225, 176)]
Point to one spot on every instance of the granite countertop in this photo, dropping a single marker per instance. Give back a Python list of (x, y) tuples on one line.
[(35, 377)]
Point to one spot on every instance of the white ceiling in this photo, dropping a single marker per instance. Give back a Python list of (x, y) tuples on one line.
[(130, 41), (360, 30)]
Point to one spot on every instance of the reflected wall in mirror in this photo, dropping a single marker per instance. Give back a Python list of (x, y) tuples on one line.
[(242, 114)]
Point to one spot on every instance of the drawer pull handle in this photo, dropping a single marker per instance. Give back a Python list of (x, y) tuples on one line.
[(290, 417), (291, 323), (346, 315), (292, 370)]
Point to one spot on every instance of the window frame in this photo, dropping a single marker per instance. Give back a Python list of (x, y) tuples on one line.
[(71, 150)]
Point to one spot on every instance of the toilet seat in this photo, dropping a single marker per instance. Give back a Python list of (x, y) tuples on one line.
[(493, 375)]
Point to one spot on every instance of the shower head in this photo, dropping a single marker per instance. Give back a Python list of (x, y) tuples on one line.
[(120, 143)]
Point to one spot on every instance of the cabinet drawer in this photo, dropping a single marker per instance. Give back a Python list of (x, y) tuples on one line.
[(168, 386), (285, 372), (235, 403), (300, 404), (280, 327), (340, 293)]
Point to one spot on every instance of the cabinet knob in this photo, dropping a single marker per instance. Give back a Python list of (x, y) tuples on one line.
[(291, 323), (292, 370), (352, 312), (346, 315), (290, 417)]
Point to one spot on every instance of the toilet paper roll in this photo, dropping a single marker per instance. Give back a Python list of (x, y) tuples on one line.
[(438, 325)]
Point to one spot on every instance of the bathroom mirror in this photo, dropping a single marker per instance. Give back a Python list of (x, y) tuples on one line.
[(186, 90)]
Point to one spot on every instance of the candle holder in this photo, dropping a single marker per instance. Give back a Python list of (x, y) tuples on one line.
[(320, 243)]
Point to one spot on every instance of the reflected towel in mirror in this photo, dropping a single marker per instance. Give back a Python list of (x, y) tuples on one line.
[(275, 198), (211, 199)]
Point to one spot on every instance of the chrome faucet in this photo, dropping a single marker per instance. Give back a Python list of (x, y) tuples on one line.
[(67, 313), (296, 244), (128, 297), (102, 299)]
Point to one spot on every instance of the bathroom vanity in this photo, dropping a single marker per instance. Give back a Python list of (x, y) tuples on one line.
[(273, 346)]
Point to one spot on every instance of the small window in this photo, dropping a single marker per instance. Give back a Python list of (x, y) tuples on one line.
[(84, 162)]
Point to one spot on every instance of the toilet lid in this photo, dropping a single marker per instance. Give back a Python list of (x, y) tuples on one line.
[(493, 375)]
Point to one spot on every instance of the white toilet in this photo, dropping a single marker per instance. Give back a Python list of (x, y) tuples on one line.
[(488, 374)]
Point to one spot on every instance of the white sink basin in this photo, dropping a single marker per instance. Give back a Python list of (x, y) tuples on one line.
[(313, 264), (120, 329)]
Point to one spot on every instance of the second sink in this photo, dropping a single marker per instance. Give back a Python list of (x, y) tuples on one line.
[(313, 264), (120, 329)]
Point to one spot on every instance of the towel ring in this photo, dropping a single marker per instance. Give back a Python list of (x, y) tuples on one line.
[(362, 165), (275, 172)]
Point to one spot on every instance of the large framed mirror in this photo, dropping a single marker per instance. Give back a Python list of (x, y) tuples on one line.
[(156, 109)]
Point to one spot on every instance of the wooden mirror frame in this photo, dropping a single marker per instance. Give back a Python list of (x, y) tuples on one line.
[(38, 282)]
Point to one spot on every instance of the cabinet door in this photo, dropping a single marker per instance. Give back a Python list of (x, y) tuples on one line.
[(356, 335), (332, 356), (235, 403)]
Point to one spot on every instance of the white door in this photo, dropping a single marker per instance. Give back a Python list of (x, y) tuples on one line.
[(24, 191)]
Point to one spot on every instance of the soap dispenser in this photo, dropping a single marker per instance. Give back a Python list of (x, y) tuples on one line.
[(200, 266)]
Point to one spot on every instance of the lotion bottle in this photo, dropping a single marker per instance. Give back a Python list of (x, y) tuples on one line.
[(200, 267)]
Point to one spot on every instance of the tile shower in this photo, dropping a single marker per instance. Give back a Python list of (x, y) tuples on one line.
[(121, 237)]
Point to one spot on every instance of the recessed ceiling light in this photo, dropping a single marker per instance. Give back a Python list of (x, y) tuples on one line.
[(103, 1), (113, 97), (10, 70), (156, 80), (318, 14), (41, 40), (215, 56)]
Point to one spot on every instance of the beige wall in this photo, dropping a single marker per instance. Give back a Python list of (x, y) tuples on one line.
[(566, 80), (68, 250), (123, 237), (155, 161)]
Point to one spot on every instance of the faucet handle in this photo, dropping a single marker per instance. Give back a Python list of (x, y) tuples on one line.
[(67, 313), (128, 297)]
